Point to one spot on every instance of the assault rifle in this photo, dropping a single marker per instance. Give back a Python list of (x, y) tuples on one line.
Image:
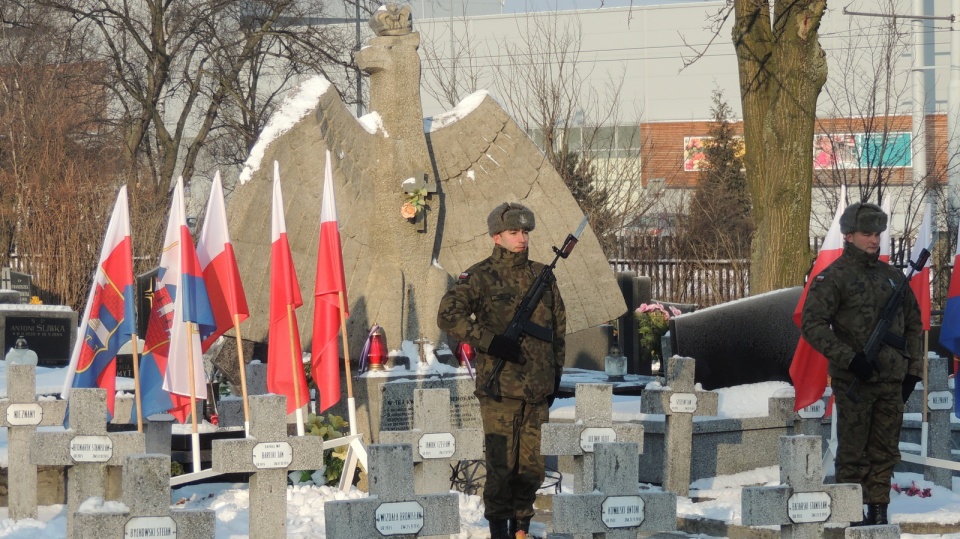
[(521, 324), (872, 349)]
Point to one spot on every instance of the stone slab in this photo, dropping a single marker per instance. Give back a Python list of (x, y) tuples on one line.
[(746, 341), (50, 331)]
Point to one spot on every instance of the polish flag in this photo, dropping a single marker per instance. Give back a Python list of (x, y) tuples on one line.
[(885, 235), (920, 282), (109, 319), (284, 353), (219, 266), (808, 370), (330, 284)]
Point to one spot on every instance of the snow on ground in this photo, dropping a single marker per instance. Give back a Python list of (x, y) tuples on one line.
[(715, 498)]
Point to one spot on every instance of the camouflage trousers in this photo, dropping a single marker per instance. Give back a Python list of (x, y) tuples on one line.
[(515, 467), (868, 436)]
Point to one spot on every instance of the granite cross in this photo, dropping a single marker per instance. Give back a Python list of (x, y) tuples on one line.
[(436, 445), (801, 504), (268, 455), (939, 407), (392, 509), (22, 413), (679, 401), (85, 448), (592, 424), (146, 494), (616, 509)]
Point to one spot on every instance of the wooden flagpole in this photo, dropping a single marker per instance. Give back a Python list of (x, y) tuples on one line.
[(356, 454), (136, 383), (243, 376), (195, 434), (293, 366)]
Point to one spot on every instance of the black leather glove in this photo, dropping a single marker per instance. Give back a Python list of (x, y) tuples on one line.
[(506, 350), (909, 384), (556, 389), (860, 368)]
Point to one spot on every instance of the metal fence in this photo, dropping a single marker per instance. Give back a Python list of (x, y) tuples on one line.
[(709, 282)]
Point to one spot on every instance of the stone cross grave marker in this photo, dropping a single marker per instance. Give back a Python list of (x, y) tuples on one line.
[(872, 532), (801, 504), (592, 424), (940, 406), (269, 455), (436, 445), (616, 509), (146, 493), (22, 413), (392, 509), (679, 401), (86, 449)]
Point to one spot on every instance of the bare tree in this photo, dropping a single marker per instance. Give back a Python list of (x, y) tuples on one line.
[(174, 65)]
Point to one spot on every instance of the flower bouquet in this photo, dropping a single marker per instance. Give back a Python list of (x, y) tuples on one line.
[(652, 321)]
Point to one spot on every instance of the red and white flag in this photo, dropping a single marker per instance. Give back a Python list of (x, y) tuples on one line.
[(284, 353), (808, 370), (885, 235), (330, 284), (920, 282), (219, 266)]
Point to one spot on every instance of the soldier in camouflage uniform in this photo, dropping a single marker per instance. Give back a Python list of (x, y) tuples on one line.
[(841, 310), (477, 311)]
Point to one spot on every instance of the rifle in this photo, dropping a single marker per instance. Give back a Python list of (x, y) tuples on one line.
[(521, 324), (872, 349)]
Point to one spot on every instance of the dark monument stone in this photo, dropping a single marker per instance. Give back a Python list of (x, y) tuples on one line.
[(21, 282), (746, 341), (50, 331), (636, 290)]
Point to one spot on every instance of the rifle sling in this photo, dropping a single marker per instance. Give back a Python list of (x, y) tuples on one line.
[(895, 341)]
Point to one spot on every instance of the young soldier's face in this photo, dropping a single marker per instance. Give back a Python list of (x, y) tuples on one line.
[(868, 242), (515, 241)]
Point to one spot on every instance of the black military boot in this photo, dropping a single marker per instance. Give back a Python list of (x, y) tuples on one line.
[(870, 519), (498, 529), (519, 528), (877, 514)]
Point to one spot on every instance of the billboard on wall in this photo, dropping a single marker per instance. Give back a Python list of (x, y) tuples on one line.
[(830, 151), (862, 150), (694, 151)]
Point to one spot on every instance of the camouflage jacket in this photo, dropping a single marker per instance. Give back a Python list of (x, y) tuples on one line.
[(842, 309), (481, 304)]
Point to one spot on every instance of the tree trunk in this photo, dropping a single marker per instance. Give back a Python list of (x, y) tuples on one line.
[(782, 70)]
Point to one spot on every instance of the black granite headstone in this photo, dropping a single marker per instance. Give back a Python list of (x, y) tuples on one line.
[(746, 341), (48, 336), (21, 282)]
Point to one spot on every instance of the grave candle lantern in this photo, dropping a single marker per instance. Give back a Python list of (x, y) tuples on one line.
[(465, 354), (377, 352)]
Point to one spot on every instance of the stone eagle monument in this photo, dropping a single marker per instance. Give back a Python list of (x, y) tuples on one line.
[(460, 165)]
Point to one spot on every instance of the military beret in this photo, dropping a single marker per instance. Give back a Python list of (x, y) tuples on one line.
[(510, 216), (862, 217)]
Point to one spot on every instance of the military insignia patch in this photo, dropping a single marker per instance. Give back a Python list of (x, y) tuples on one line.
[(818, 278), (463, 277)]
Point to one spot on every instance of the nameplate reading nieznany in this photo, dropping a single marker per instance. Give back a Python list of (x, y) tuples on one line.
[(24, 414)]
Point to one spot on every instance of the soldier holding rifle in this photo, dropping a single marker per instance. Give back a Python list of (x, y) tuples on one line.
[(861, 314), (509, 308)]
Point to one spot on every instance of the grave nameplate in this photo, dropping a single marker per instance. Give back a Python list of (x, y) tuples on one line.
[(622, 511), (24, 414), (91, 448), (940, 400), (21, 282), (814, 411), (809, 507), (683, 403), (399, 518), (438, 445), (150, 527), (48, 336), (272, 455), (596, 435)]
